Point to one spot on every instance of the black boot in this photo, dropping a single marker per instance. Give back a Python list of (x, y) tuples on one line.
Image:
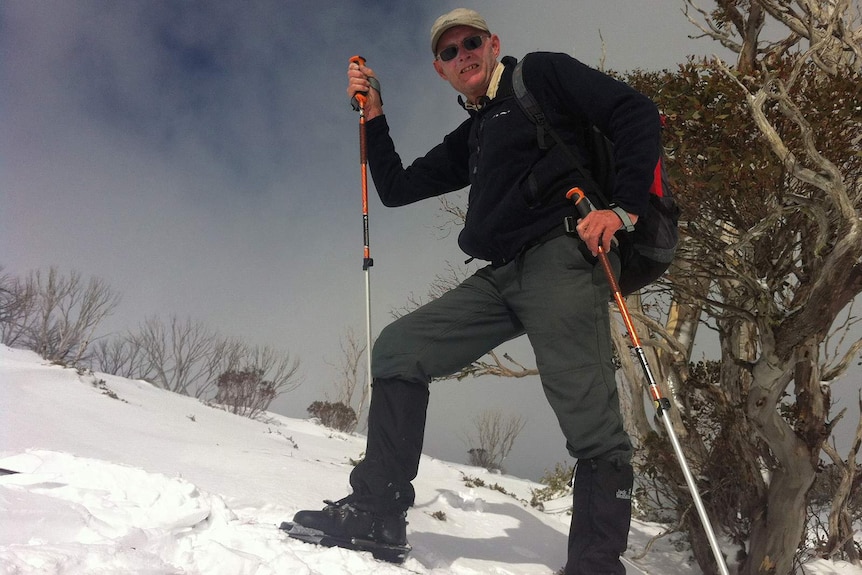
[(601, 517), (346, 524), (373, 517)]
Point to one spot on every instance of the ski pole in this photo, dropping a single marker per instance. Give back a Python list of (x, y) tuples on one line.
[(359, 105), (661, 403)]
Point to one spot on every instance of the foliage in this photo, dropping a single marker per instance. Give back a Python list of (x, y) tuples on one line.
[(337, 415), (473, 482), (557, 484), (244, 392)]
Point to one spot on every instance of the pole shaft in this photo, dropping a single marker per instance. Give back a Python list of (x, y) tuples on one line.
[(367, 261), (695, 493)]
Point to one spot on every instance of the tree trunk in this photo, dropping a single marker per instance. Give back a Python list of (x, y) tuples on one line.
[(781, 525)]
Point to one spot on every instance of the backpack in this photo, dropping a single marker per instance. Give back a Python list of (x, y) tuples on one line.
[(647, 248)]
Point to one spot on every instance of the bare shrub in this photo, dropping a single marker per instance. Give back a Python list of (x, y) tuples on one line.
[(494, 437), (120, 356), (54, 315), (351, 377), (189, 358), (179, 356), (17, 304)]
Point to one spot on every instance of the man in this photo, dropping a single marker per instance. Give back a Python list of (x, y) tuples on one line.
[(539, 281)]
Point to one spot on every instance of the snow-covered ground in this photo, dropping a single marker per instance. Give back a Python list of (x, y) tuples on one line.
[(116, 476)]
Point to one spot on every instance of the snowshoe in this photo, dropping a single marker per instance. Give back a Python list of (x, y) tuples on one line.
[(345, 524)]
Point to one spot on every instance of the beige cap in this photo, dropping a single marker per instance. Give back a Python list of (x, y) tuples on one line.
[(457, 17)]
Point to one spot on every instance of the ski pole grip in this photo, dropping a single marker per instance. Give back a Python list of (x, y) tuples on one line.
[(581, 201), (584, 205), (358, 100)]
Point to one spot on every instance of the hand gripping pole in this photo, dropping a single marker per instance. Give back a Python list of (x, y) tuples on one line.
[(358, 102), (661, 403)]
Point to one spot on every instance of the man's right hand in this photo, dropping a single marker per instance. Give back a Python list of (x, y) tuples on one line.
[(357, 82)]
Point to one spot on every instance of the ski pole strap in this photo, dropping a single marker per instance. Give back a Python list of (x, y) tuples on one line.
[(624, 216), (375, 83), (355, 100)]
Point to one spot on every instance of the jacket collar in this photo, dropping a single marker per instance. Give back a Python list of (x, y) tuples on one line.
[(494, 88)]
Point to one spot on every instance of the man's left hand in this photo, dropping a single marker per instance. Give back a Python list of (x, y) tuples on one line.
[(598, 228)]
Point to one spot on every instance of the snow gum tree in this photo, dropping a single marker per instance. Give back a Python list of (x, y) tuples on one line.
[(765, 153)]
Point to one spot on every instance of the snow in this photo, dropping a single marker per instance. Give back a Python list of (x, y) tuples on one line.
[(117, 476)]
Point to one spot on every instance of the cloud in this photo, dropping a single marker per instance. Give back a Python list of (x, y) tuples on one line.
[(202, 157)]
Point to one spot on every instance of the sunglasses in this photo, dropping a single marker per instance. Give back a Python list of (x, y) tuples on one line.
[(469, 44)]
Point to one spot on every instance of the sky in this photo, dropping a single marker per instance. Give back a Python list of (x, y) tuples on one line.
[(158, 483), (202, 159)]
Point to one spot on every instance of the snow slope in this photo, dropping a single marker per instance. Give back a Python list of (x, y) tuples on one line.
[(116, 476)]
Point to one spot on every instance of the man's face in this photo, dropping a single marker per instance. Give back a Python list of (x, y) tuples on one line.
[(470, 71)]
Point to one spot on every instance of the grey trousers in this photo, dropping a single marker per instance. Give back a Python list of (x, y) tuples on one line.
[(558, 295)]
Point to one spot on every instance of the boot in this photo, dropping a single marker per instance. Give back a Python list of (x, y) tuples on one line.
[(345, 520), (347, 524), (601, 517), (373, 517)]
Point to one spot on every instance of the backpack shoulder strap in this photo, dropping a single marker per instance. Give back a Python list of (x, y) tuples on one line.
[(533, 110), (529, 104)]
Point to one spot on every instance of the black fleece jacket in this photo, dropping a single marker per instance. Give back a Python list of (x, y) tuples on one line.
[(517, 190)]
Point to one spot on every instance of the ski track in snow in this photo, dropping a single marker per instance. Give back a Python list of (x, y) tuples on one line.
[(157, 483)]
